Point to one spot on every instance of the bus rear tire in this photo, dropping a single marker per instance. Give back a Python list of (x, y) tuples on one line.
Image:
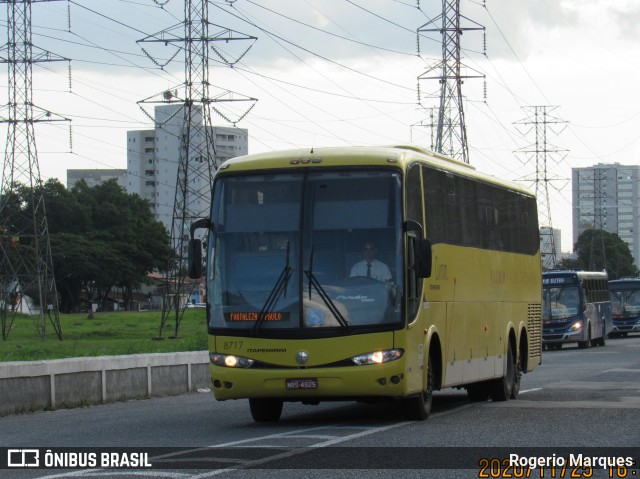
[(265, 409), (515, 390), (502, 388), (419, 407)]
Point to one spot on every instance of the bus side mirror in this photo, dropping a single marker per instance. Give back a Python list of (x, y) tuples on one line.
[(422, 253), (195, 259), (195, 248), (423, 258)]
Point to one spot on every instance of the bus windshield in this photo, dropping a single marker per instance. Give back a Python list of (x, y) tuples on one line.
[(560, 302), (306, 250), (625, 302)]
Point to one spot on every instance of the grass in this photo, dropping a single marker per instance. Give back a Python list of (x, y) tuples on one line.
[(110, 333)]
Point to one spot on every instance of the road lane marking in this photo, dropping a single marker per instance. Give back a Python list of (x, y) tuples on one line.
[(630, 403), (321, 434), (530, 390), (365, 431)]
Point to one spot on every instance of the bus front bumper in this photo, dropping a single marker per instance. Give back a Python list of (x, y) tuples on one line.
[(357, 382), (620, 327), (555, 337)]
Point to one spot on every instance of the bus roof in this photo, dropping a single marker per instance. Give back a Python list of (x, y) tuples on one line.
[(576, 274), (386, 156), (623, 282)]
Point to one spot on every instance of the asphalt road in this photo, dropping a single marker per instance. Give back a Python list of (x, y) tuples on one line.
[(585, 400)]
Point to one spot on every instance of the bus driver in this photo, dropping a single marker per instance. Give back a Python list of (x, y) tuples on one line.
[(370, 267)]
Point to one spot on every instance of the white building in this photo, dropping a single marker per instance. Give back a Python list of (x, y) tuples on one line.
[(153, 157)]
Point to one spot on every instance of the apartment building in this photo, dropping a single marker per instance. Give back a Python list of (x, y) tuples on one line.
[(153, 156)]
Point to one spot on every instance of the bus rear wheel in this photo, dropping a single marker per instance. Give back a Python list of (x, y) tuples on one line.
[(502, 388), (515, 390), (265, 409)]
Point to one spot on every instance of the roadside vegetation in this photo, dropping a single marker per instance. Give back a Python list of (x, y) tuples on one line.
[(107, 334), (598, 250), (103, 241)]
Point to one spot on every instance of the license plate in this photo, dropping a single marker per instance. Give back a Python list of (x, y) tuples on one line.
[(301, 383)]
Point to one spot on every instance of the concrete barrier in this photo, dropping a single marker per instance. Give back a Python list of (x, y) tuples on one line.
[(36, 385)]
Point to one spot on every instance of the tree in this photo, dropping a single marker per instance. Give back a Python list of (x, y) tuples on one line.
[(598, 250), (74, 267), (102, 239), (569, 263)]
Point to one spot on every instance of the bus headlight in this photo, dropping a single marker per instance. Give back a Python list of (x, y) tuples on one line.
[(230, 360), (377, 357), (576, 326)]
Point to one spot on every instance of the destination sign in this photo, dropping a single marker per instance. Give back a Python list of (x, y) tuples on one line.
[(559, 280), (253, 316)]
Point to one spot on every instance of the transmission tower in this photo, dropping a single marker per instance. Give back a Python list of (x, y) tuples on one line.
[(596, 213), (599, 199), (451, 134), (26, 266), (197, 156), (539, 121), (599, 215)]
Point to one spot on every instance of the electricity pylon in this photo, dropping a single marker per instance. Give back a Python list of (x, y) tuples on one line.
[(598, 206), (197, 158), (540, 121), (26, 266), (451, 132)]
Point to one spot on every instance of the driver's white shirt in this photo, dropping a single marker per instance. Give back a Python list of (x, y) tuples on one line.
[(379, 270)]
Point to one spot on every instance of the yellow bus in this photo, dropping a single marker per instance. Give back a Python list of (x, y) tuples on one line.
[(367, 273)]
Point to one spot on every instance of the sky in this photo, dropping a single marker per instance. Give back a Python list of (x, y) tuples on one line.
[(345, 72)]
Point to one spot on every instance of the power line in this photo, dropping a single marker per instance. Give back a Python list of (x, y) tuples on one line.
[(328, 60), (341, 37)]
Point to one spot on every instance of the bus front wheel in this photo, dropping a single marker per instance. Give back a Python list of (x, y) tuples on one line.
[(587, 343), (265, 409), (419, 407), (601, 341)]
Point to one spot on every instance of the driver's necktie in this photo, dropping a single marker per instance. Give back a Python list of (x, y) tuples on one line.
[(368, 270)]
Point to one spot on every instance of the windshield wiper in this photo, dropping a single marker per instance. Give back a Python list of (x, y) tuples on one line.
[(279, 287), (323, 294)]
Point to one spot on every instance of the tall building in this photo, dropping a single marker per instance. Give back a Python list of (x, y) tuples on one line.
[(605, 197), (153, 156)]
